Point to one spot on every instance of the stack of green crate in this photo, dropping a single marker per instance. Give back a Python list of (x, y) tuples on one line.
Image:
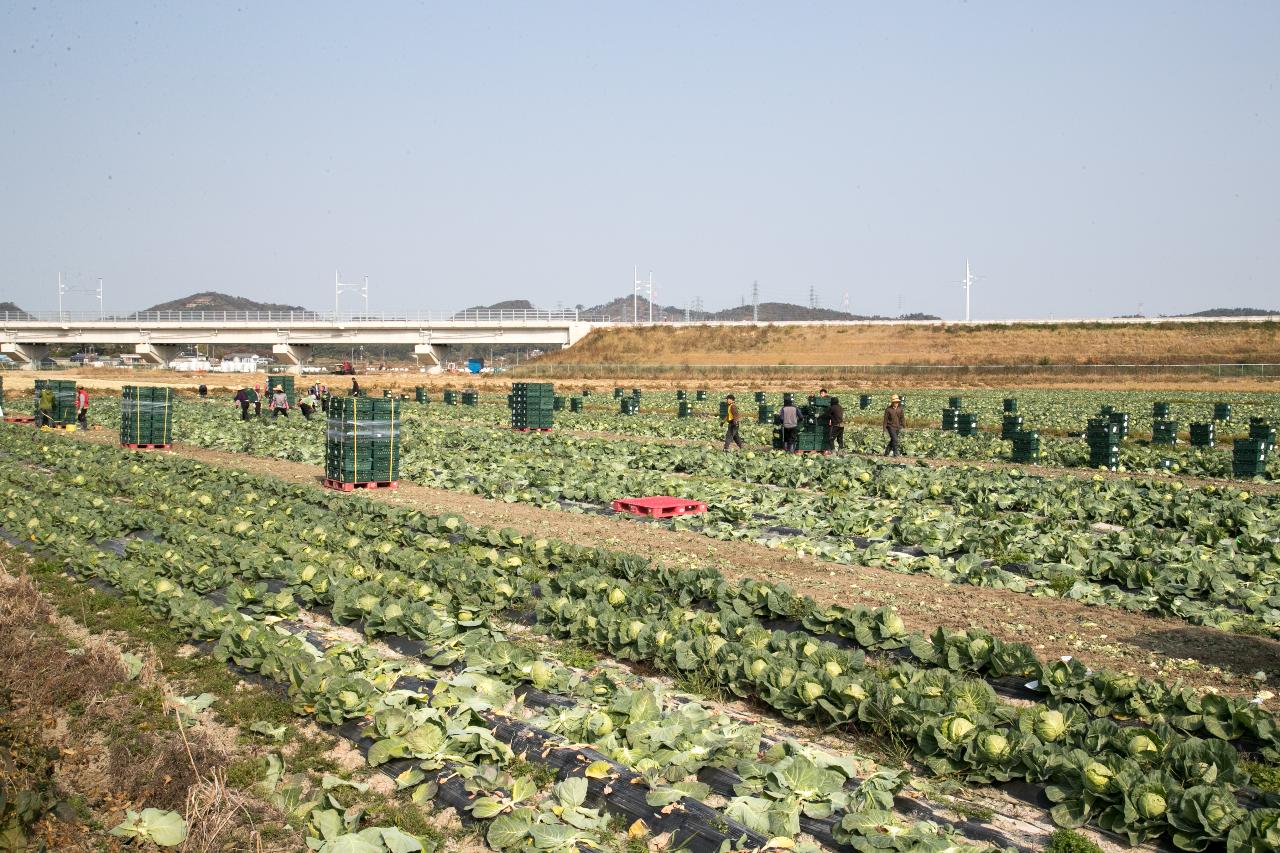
[(1249, 457), (1103, 436), (681, 394), (949, 419), (617, 393), (362, 440), (451, 398), (1107, 410), (1160, 411), (635, 392), (282, 382), (683, 409), (759, 396), (532, 405), (386, 393), (1009, 425), (814, 433), (420, 394), (1, 392), (629, 405), (470, 398), (1010, 405), (864, 401), (1121, 420), (967, 423), (1164, 431), (1202, 434), (724, 409), (1260, 429), (764, 413), (146, 415), (64, 400), (955, 403), (557, 403), (700, 395), (586, 392), (1026, 446), (1222, 411), (575, 404)]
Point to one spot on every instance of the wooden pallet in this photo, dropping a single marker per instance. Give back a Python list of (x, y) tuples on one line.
[(339, 485), (660, 506), (531, 429), (17, 419), (147, 446)]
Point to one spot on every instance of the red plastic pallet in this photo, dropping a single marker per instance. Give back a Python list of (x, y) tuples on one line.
[(661, 506), (532, 429), (339, 485), (147, 446), (19, 420)]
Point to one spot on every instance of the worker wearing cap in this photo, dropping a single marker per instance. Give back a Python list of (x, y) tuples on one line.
[(895, 420), (279, 403), (731, 423)]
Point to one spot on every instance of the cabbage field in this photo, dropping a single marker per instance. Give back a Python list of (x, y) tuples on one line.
[(668, 706)]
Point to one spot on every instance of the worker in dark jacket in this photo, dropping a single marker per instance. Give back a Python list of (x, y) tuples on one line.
[(835, 423), (731, 423), (242, 397), (256, 399), (895, 420), (789, 417)]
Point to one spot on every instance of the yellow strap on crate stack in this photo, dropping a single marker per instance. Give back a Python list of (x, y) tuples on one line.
[(168, 404), (355, 437), (137, 413)]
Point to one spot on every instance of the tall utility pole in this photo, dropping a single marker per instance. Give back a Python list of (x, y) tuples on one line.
[(968, 284), (339, 286), (637, 288), (96, 291), (755, 301)]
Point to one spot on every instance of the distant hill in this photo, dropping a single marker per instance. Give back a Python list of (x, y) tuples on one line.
[(1233, 312), (505, 305), (211, 300), (627, 307), (10, 308)]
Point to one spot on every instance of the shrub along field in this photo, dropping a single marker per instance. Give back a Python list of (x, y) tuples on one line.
[(538, 692)]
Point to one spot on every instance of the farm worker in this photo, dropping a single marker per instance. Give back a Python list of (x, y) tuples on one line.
[(256, 399), (731, 423), (308, 404), (82, 407), (790, 415), (242, 397), (203, 390), (279, 403), (822, 392), (895, 420), (46, 407), (355, 387), (835, 421)]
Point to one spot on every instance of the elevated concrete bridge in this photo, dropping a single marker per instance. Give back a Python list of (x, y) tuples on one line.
[(161, 335)]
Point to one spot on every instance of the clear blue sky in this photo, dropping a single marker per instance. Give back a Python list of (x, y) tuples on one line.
[(1090, 158)]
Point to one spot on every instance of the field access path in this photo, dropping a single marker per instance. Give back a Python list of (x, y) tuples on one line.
[(1110, 637)]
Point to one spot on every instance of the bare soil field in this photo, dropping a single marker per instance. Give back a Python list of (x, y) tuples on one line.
[(1082, 344), (225, 384)]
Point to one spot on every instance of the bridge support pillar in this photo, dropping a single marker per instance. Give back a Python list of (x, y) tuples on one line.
[(160, 354), (294, 355), (434, 364), (28, 354)]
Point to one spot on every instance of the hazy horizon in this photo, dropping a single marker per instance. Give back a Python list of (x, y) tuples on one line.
[(1089, 160)]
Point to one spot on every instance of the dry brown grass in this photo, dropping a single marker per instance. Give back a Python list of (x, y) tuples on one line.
[(765, 346)]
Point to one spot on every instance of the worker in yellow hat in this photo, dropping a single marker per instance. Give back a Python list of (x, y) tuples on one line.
[(895, 420)]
